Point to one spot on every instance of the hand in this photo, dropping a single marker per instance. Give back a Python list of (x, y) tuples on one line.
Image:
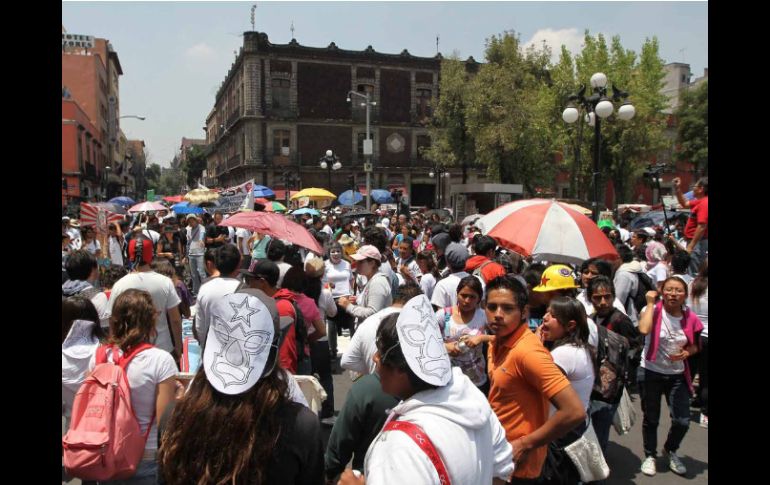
[(689, 249), (474, 341), (350, 478), (521, 451), (677, 183), (352, 299), (650, 296), (184, 260), (344, 301), (682, 355), (539, 332), (452, 349)]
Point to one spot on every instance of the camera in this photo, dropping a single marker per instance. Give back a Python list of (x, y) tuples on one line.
[(654, 171)]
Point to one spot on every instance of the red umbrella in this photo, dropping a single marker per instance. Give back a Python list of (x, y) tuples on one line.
[(174, 198), (147, 206), (546, 230), (275, 225), (89, 212)]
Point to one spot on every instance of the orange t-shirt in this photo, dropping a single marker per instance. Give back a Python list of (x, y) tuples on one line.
[(523, 380)]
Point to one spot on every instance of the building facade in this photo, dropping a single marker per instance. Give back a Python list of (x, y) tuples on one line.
[(282, 106), (82, 150)]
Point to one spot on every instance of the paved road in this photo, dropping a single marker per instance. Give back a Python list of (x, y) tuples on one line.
[(623, 453)]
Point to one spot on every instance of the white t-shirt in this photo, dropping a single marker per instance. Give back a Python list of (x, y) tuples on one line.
[(658, 273), (76, 351), (164, 297), (582, 297), (244, 234), (282, 269), (412, 266), (116, 251), (701, 309), (148, 369), (153, 235), (93, 247), (427, 284), (445, 292), (471, 362), (671, 340), (359, 356), (578, 368), (75, 241), (339, 274), (210, 292)]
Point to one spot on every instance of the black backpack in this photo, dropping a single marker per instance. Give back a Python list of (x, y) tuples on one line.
[(612, 365), (644, 285)]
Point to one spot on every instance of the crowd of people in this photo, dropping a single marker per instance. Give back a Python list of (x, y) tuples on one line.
[(472, 364)]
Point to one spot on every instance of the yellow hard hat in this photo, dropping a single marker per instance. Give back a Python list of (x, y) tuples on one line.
[(556, 277)]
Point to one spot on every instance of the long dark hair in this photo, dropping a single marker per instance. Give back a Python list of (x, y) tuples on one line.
[(79, 308), (240, 433), (701, 282), (429, 258), (564, 309)]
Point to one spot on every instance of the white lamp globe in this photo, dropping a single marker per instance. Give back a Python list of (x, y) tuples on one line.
[(447, 174), (323, 165), (337, 166), (604, 109), (570, 115), (431, 174), (626, 112), (591, 119), (598, 80), (329, 153)]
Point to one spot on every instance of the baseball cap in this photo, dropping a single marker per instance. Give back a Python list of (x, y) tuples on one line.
[(257, 268), (456, 255), (367, 251), (441, 240)]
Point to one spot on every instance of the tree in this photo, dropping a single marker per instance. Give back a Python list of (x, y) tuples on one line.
[(693, 128), (195, 164), (152, 175)]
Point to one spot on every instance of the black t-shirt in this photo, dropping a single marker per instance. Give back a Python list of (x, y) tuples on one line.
[(298, 455), (213, 231)]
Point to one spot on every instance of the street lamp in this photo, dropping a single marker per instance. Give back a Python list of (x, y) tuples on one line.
[(367, 144), (132, 116), (597, 107), (106, 181), (289, 180), (439, 171), (330, 162)]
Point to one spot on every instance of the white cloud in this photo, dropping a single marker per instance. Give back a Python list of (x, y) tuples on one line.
[(200, 53), (571, 38)]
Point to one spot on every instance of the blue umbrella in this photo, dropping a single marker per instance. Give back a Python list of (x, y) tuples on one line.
[(262, 191), (186, 208), (306, 210), (123, 200), (381, 196), (349, 197)]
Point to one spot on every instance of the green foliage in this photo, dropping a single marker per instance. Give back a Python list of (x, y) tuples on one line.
[(195, 164), (693, 128), (166, 182)]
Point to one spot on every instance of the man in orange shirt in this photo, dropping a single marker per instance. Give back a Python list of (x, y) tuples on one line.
[(524, 381)]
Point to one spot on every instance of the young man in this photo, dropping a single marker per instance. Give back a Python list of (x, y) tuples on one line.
[(484, 249), (168, 323), (696, 231), (276, 253), (407, 268), (227, 260), (82, 271), (116, 244), (216, 235), (445, 292), (525, 382), (195, 249), (440, 409)]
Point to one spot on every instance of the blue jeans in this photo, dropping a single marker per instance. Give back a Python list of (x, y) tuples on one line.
[(197, 271), (653, 385), (699, 253), (146, 474), (602, 414)]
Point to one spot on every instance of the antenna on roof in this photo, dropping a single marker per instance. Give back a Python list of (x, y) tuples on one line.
[(292, 29), (253, 9), (437, 37), (681, 54)]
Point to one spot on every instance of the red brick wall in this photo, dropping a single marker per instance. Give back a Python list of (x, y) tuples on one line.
[(395, 96), (321, 91)]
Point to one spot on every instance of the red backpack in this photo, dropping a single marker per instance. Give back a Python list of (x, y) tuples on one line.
[(104, 441)]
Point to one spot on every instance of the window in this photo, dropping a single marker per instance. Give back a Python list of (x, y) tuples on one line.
[(366, 88), (280, 140), (565, 192), (281, 93), (423, 103)]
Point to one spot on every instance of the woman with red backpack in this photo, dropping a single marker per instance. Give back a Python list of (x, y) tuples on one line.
[(151, 373), (672, 335)]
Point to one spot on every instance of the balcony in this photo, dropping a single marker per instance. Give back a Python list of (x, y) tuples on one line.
[(233, 118), (233, 162)]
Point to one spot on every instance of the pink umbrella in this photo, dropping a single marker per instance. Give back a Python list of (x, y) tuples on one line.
[(546, 230), (147, 206), (275, 225)]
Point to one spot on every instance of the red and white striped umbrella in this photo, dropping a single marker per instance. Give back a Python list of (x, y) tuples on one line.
[(147, 206), (89, 215), (546, 230)]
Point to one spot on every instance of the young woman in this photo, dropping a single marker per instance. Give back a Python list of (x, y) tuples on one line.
[(464, 330), (403, 231), (672, 332), (90, 243), (337, 275), (565, 333), (699, 302), (657, 262), (430, 275), (169, 247), (376, 295), (151, 373), (80, 336), (162, 266)]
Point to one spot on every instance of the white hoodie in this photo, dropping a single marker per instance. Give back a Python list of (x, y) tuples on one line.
[(76, 351), (463, 428)]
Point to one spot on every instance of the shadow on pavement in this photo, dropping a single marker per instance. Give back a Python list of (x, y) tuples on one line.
[(623, 463), (694, 467)]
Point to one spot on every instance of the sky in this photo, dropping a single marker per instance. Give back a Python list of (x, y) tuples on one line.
[(175, 55)]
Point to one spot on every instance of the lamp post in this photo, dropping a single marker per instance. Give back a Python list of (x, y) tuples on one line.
[(289, 179), (106, 181), (330, 162), (597, 107), (439, 171), (368, 149), (142, 118)]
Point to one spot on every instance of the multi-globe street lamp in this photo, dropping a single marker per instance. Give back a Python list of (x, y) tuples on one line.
[(597, 107), (368, 149), (439, 171), (330, 162)]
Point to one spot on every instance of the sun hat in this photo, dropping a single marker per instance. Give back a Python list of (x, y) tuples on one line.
[(240, 336), (345, 240), (314, 267), (367, 251)]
